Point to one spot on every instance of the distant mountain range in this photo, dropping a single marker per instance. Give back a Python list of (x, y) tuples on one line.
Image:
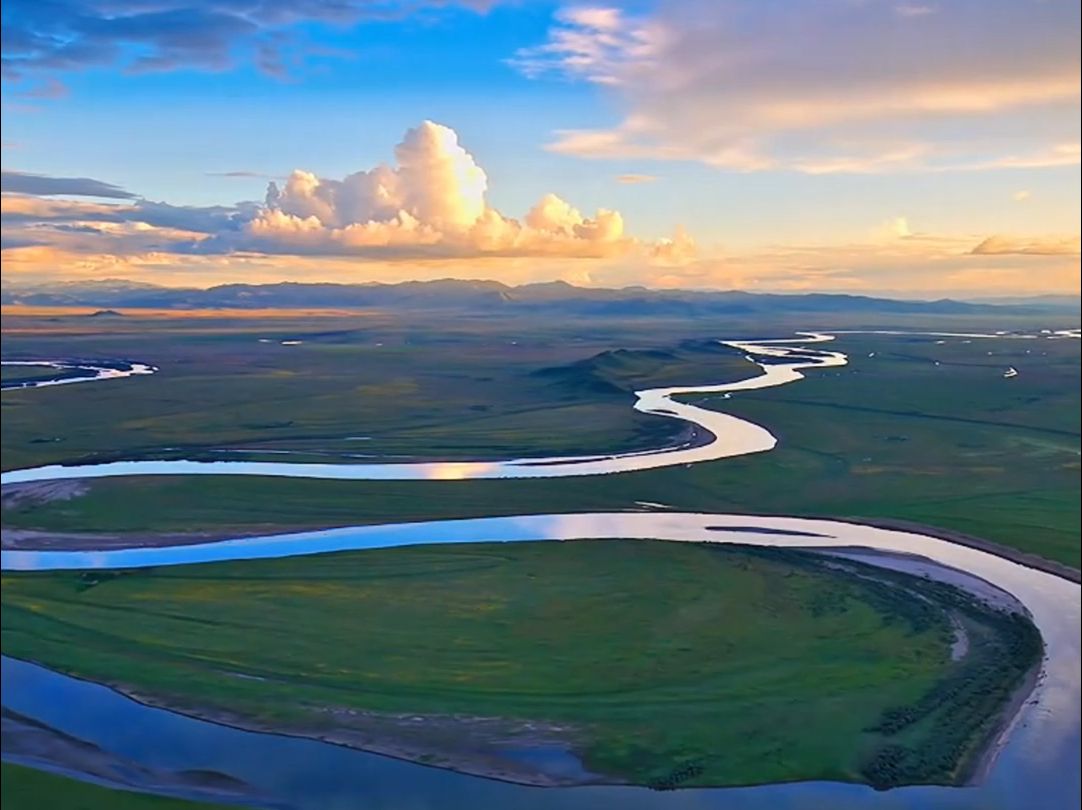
[(456, 294)]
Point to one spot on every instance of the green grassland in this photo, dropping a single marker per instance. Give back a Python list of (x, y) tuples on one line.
[(912, 429), (28, 373), (27, 789), (369, 384), (719, 665)]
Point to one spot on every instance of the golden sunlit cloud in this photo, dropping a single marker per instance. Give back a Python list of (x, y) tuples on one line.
[(433, 203), (797, 92), (1041, 246), (915, 265)]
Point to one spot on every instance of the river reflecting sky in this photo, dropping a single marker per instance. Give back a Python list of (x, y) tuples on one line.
[(1046, 735), (1038, 767)]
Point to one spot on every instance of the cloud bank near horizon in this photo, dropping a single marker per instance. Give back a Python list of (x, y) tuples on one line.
[(431, 204), (427, 216)]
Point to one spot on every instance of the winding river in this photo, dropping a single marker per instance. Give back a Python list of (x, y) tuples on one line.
[(1037, 765), (728, 436), (81, 372)]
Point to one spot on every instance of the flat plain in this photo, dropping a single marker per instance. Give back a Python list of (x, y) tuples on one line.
[(651, 663), (918, 428)]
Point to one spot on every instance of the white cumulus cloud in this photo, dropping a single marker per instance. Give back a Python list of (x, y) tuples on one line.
[(431, 203)]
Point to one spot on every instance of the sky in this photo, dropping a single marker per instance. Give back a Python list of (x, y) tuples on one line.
[(892, 147)]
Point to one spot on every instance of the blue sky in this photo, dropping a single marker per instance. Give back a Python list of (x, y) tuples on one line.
[(863, 147)]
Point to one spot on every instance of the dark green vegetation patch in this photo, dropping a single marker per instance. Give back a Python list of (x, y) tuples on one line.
[(19, 374), (27, 789)]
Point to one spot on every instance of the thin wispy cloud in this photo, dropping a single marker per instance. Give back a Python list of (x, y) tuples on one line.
[(44, 185), (822, 87), (241, 174), (1028, 246), (914, 10), (49, 89), (212, 35)]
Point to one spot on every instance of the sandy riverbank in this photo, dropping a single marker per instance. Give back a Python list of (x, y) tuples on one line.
[(978, 763)]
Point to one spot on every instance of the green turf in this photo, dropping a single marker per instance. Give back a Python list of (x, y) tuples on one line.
[(27, 789), (27, 373), (889, 436), (370, 384), (750, 665)]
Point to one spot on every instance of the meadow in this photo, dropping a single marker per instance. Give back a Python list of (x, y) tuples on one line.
[(368, 384), (16, 374), (916, 428), (29, 788), (656, 663)]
